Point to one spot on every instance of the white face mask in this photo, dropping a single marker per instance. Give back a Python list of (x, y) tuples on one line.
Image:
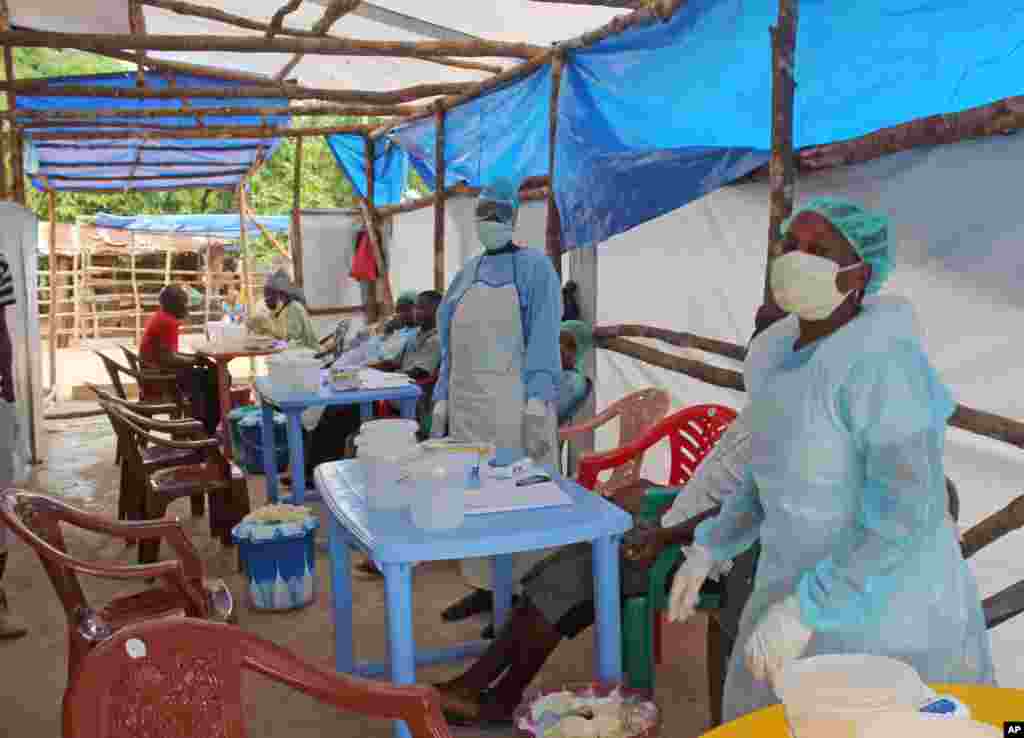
[(494, 235), (805, 284)]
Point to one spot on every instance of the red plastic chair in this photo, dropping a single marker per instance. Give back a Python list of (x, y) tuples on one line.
[(692, 433), (184, 677)]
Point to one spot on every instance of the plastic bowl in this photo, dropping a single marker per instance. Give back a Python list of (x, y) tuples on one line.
[(640, 710)]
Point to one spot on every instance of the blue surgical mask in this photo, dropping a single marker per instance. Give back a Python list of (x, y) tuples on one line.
[(494, 235)]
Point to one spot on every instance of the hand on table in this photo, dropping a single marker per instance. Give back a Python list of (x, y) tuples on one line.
[(643, 544)]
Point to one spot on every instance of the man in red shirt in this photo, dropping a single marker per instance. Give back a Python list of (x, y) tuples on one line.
[(159, 350)]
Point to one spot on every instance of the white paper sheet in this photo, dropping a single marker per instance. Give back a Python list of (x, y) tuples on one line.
[(502, 495)]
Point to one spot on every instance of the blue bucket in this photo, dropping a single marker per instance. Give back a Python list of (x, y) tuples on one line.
[(246, 424), (279, 561)]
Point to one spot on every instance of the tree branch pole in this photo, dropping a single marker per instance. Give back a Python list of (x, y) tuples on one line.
[(243, 243), (370, 217), (553, 240), (782, 166), (52, 319), (283, 90), (277, 21), (61, 117), (334, 10), (329, 46), (296, 234), (137, 24), (189, 134), (267, 234), (440, 273), (17, 161)]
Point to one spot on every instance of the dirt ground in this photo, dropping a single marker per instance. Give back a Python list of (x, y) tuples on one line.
[(80, 470)]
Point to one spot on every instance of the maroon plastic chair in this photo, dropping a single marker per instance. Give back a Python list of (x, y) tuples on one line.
[(183, 677)]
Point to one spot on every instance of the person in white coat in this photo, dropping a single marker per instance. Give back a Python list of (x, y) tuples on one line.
[(500, 357)]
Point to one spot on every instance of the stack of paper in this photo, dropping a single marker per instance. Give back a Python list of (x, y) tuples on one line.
[(371, 379), (502, 495)]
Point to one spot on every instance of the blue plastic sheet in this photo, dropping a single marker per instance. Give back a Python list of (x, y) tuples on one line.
[(390, 166), (165, 162), (502, 134), (219, 226)]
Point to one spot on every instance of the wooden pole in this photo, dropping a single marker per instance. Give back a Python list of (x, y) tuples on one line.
[(52, 203), (135, 289), (209, 284), (366, 205), (76, 276), (782, 166), (167, 267), (137, 24), (140, 133), (17, 172), (329, 46), (61, 117), (296, 234), (334, 10), (554, 225), (439, 187), (277, 22), (244, 247), (3, 166), (267, 234)]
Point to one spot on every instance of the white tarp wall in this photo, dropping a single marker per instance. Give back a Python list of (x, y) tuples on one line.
[(18, 242), (700, 269)]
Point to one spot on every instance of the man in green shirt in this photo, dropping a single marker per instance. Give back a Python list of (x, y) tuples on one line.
[(288, 319)]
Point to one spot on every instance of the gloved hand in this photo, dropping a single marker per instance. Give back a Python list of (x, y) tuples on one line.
[(536, 429), (439, 421), (682, 600), (778, 638)]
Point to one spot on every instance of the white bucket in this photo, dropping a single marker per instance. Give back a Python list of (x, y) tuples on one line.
[(831, 695), (439, 499), (905, 724), (294, 372)]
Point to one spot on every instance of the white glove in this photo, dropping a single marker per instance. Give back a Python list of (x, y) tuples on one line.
[(682, 600), (439, 422), (779, 638), (536, 429)]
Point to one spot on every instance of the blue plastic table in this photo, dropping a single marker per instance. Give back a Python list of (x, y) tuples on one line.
[(292, 405), (395, 544)]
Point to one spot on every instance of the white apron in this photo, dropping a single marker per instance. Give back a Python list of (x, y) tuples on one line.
[(486, 397)]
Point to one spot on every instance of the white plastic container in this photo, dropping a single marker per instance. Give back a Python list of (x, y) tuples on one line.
[(383, 465), (389, 428), (439, 499), (832, 695), (294, 371), (905, 724), (234, 332)]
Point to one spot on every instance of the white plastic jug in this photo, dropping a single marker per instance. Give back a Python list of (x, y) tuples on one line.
[(382, 465), (832, 695), (439, 498), (295, 371)]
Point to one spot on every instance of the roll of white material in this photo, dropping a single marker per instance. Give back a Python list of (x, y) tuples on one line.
[(832, 695)]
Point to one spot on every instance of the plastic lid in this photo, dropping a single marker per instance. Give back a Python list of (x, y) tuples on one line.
[(389, 425), (254, 529), (850, 681), (903, 724)]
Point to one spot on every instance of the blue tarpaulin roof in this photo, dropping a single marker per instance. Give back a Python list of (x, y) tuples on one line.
[(219, 226), (153, 162), (659, 115), (390, 166)]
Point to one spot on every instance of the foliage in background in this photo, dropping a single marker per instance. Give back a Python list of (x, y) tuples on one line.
[(271, 188)]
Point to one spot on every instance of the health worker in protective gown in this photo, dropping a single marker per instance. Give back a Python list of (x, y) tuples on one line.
[(500, 356), (845, 487)]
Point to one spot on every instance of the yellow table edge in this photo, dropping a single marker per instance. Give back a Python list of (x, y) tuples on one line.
[(988, 704)]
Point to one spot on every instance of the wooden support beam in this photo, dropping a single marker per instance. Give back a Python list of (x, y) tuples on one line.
[(366, 205), (783, 171), (167, 65), (243, 243), (440, 272), (137, 24), (135, 290), (296, 230), (54, 302), (331, 46), (631, 4), (146, 178), (278, 20), (267, 234), (191, 134), (59, 117), (462, 64), (334, 10), (4, 192), (553, 240), (42, 87)]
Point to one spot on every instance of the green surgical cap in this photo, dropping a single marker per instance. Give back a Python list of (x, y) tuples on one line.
[(406, 298), (867, 232)]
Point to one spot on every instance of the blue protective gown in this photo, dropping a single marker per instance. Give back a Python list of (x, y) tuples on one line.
[(540, 306), (846, 492)]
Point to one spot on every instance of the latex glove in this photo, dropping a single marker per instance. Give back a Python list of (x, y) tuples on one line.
[(536, 428), (682, 600), (439, 422), (779, 638)]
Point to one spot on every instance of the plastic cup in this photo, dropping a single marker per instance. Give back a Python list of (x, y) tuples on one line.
[(439, 500)]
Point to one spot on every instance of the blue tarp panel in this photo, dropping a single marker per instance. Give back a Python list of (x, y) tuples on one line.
[(659, 115), (219, 226), (68, 164), (390, 166), (504, 133)]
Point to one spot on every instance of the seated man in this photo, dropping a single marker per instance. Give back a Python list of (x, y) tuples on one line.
[(388, 346), (288, 319), (159, 350), (420, 359)]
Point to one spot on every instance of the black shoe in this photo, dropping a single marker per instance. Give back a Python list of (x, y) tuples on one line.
[(476, 602)]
